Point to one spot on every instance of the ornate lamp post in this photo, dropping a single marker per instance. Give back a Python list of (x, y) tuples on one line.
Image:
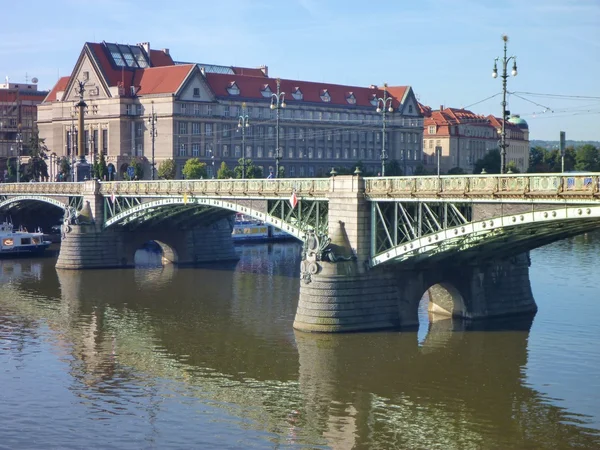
[(212, 158), (384, 104), (277, 102), (242, 125), (153, 133), (19, 141), (504, 77)]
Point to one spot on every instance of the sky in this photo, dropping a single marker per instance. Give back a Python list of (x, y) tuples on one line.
[(444, 49)]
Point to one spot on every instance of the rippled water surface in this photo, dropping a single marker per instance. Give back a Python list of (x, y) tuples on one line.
[(207, 358)]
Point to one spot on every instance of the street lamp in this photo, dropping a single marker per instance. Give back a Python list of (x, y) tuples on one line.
[(242, 125), (277, 102), (384, 104), (19, 142), (504, 77), (212, 157), (153, 133)]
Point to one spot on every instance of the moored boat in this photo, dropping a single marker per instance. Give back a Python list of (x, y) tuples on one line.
[(249, 229), (20, 242)]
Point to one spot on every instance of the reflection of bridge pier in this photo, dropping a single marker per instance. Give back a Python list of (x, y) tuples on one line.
[(460, 387)]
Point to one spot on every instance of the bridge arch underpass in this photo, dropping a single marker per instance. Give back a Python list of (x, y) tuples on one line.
[(499, 237), (184, 212), (33, 210)]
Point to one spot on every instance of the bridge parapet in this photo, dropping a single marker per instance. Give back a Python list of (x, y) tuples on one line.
[(267, 188), (53, 189), (584, 186)]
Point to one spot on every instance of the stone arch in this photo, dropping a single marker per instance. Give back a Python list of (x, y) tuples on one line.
[(445, 301), (169, 255), (123, 170), (112, 172)]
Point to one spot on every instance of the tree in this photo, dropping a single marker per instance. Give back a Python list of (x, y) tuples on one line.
[(224, 172), (252, 171), (457, 171), (100, 169), (194, 169), (392, 168), (490, 162), (64, 168), (167, 170), (420, 170), (512, 167), (536, 160), (36, 168), (138, 170), (587, 158)]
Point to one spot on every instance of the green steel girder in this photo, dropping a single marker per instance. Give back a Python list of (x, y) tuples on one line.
[(492, 238), (394, 223), (307, 215)]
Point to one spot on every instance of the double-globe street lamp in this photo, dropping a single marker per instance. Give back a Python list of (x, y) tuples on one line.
[(504, 77), (277, 102), (384, 104), (243, 123)]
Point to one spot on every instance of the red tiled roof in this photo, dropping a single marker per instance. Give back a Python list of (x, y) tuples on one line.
[(497, 122), (424, 109), (158, 58), (251, 87), (161, 80), (249, 72), (112, 75), (10, 96), (59, 86)]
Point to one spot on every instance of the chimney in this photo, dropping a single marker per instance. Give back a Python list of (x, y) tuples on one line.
[(265, 70), (441, 107), (165, 51), (145, 46)]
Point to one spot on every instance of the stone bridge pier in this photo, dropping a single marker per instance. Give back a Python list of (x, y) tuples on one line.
[(88, 245), (339, 292)]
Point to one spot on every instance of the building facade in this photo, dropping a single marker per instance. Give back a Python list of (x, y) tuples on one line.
[(465, 137), (18, 112), (198, 107)]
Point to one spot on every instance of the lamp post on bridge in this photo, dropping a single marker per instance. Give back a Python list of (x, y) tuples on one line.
[(153, 133), (277, 102), (242, 125), (212, 158), (384, 104), (19, 141), (504, 61)]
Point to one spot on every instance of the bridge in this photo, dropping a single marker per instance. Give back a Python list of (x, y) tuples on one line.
[(372, 246)]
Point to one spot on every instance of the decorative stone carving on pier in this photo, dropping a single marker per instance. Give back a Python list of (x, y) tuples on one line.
[(321, 248)]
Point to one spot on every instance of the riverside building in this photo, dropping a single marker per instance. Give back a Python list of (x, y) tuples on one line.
[(307, 129)]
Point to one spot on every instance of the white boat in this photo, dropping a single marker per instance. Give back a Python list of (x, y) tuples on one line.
[(246, 228), (20, 242)]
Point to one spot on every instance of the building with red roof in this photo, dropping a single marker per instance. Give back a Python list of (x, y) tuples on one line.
[(18, 112), (198, 107), (465, 137)]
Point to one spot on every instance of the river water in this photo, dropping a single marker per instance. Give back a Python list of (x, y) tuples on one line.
[(206, 357)]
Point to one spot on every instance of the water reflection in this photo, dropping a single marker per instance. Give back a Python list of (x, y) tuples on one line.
[(154, 353)]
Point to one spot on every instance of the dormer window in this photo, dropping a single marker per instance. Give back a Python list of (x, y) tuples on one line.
[(373, 100), (266, 91), (410, 109), (350, 98), (233, 89), (325, 97), (297, 94)]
